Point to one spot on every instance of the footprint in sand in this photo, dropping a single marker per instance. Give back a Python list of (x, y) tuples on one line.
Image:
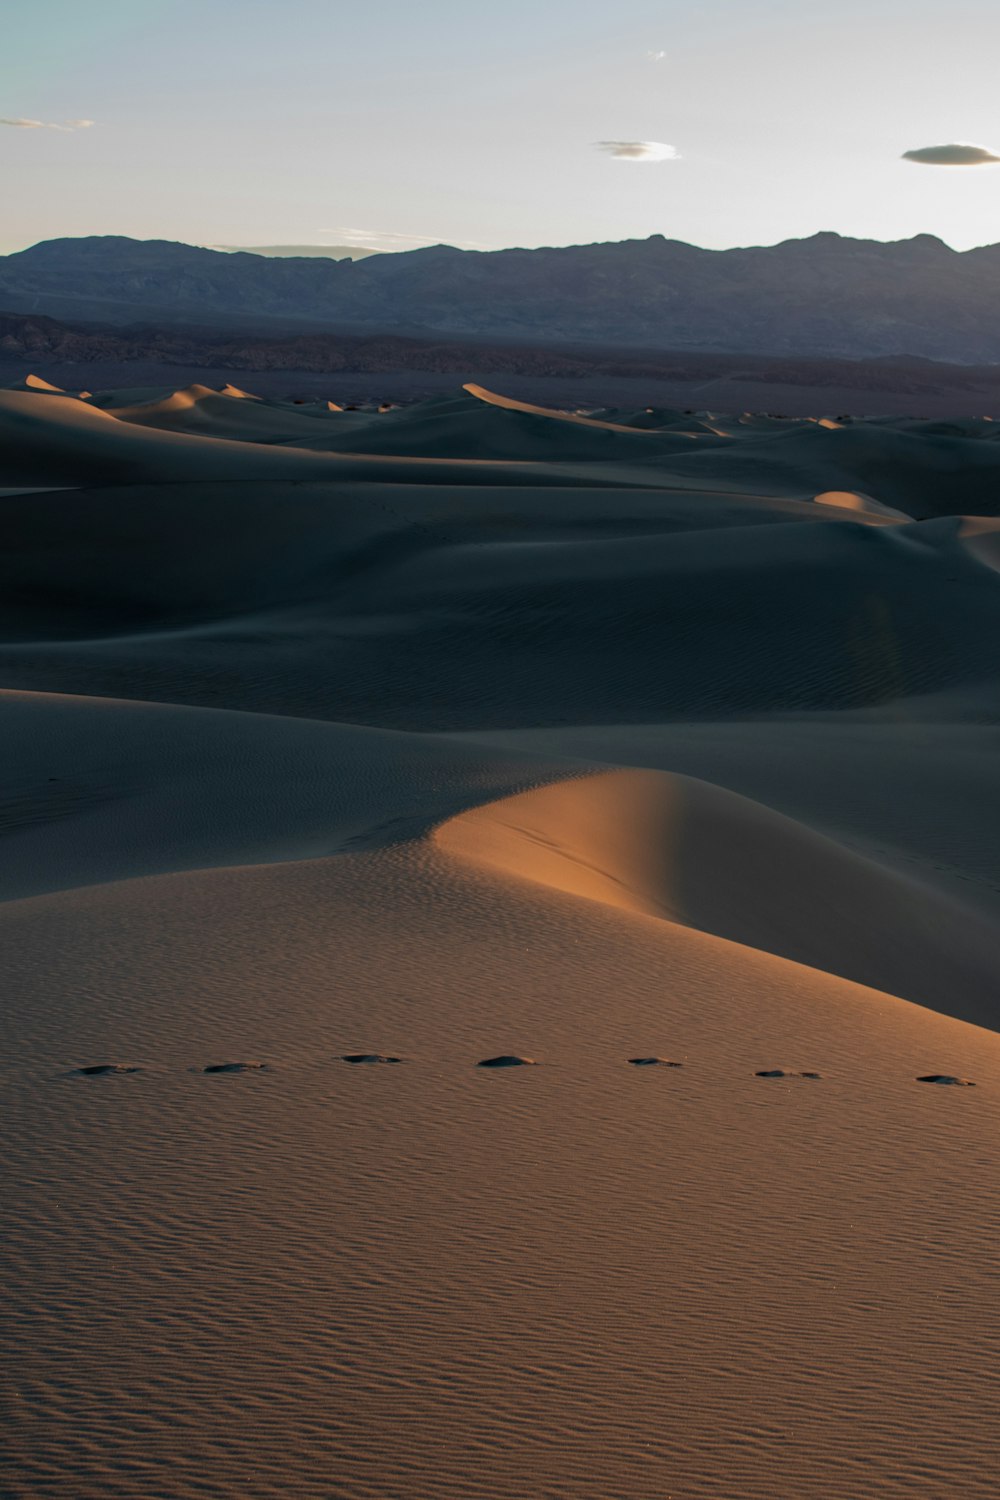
[(962, 1083), (783, 1073), (654, 1062), (236, 1067), (506, 1060), (103, 1070), (367, 1057)]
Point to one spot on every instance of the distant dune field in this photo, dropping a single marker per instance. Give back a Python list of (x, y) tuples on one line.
[(346, 750)]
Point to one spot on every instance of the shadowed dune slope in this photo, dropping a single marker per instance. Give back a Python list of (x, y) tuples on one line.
[(922, 475), (95, 790), (464, 606)]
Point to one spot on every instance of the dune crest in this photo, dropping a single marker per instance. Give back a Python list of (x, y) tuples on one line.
[(235, 393), (508, 403), (38, 384)]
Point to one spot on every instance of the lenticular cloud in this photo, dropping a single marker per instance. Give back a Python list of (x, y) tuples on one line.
[(65, 125), (638, 150), (956, 154)]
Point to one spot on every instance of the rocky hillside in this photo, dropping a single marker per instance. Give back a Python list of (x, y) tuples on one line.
[(37, 342)]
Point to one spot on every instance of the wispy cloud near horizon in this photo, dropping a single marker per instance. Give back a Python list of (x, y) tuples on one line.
[(64, 125), (955, 154), (389, 239), (638, 150)]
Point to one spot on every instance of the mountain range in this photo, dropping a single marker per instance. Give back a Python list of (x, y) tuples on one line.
[(826, 295)]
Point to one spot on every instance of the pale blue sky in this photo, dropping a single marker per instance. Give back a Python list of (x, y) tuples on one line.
[(273, 121)]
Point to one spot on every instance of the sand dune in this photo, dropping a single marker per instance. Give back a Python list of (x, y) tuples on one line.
[(501, 913), (229, 413), (79, 440)]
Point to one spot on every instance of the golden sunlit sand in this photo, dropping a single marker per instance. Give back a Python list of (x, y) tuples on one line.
[(500, 917)]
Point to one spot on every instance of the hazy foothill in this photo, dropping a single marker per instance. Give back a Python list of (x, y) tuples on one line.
[(500, 928)]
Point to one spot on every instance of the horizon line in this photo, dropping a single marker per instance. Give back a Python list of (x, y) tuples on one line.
[(215, 248)]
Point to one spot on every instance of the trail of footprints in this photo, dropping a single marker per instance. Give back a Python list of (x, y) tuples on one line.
[(503, 1060)]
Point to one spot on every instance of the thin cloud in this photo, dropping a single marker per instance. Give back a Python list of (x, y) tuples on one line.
[(66, 125), (656, 56), (956, 154), (638, 150), (388, 239)]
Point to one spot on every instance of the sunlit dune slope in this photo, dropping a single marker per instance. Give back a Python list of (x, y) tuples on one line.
[(672, 847)]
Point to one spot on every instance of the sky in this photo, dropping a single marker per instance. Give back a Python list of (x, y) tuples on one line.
[(262, 122)]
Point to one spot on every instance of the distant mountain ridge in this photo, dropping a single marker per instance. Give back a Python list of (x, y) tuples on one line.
[(821, 296)]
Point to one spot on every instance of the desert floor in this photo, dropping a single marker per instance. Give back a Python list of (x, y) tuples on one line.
[(462, 730)]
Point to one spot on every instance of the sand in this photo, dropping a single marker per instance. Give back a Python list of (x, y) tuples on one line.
[(490, 896)]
